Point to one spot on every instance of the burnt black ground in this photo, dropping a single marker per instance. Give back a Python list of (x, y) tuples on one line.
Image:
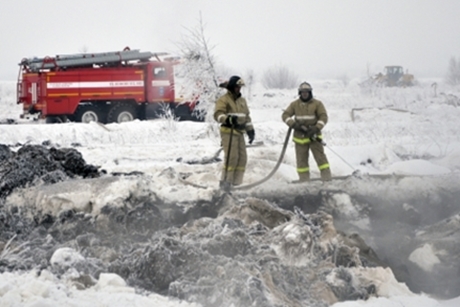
[(33, 163)]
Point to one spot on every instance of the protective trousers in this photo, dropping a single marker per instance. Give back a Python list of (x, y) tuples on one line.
[(237, 155), (303, 169)]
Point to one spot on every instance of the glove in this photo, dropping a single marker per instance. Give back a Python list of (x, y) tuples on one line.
[(299, 127), (251, 135), (312, 131), (231, 120)]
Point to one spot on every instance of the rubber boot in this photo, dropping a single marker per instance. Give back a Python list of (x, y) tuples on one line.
[(304, 177), (225, 185), (238, 177), (326, 174), (226, 180)]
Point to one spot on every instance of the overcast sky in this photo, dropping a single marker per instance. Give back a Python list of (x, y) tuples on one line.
[(317, 39)]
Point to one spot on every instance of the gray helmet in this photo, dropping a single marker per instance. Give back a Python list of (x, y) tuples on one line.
[(305, 86)]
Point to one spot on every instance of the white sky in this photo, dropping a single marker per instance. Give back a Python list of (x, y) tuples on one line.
[(317, 39)]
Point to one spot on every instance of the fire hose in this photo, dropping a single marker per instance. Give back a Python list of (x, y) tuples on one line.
[(280, 159), (278, 163)]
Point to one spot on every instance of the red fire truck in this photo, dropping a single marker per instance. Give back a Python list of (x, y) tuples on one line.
[(104, 87)]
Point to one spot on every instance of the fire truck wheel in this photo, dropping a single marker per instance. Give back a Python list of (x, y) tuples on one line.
[(88, 113), (122, 112)]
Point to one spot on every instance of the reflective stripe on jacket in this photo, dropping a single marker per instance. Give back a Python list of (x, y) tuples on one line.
[(226, 105), (307, 114), (304, 140)]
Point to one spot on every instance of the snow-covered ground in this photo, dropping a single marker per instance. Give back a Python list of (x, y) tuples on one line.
[(381, 131)]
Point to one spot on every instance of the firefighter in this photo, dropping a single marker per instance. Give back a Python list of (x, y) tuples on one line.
[(231, 111), (308, 116)]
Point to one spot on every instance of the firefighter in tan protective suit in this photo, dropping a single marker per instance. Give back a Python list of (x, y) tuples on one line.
[(308, 116), (232, 112)]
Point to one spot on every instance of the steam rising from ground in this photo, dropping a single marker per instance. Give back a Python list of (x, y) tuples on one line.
[(236, 249)]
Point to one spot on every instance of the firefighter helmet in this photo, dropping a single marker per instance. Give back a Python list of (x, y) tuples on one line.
[(235, 81), (305, 86)]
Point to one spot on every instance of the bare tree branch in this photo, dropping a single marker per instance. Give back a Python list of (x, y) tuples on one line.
[(279, 77), (198, 67), (453, 73)]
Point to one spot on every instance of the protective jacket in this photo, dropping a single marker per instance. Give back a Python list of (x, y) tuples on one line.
[(227, 105), (307, 114), (310, 113), (233, 144)]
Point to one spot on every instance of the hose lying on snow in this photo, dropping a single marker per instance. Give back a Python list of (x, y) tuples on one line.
[(283, 151)]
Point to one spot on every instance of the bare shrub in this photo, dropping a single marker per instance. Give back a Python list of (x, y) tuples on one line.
[(249, 79), (344, 79), (198, 68), (453, 72), (279, 77)]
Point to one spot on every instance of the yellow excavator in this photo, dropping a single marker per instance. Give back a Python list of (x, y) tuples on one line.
[(394, 76)]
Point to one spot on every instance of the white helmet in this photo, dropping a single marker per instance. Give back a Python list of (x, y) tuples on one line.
[(305, 86)]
